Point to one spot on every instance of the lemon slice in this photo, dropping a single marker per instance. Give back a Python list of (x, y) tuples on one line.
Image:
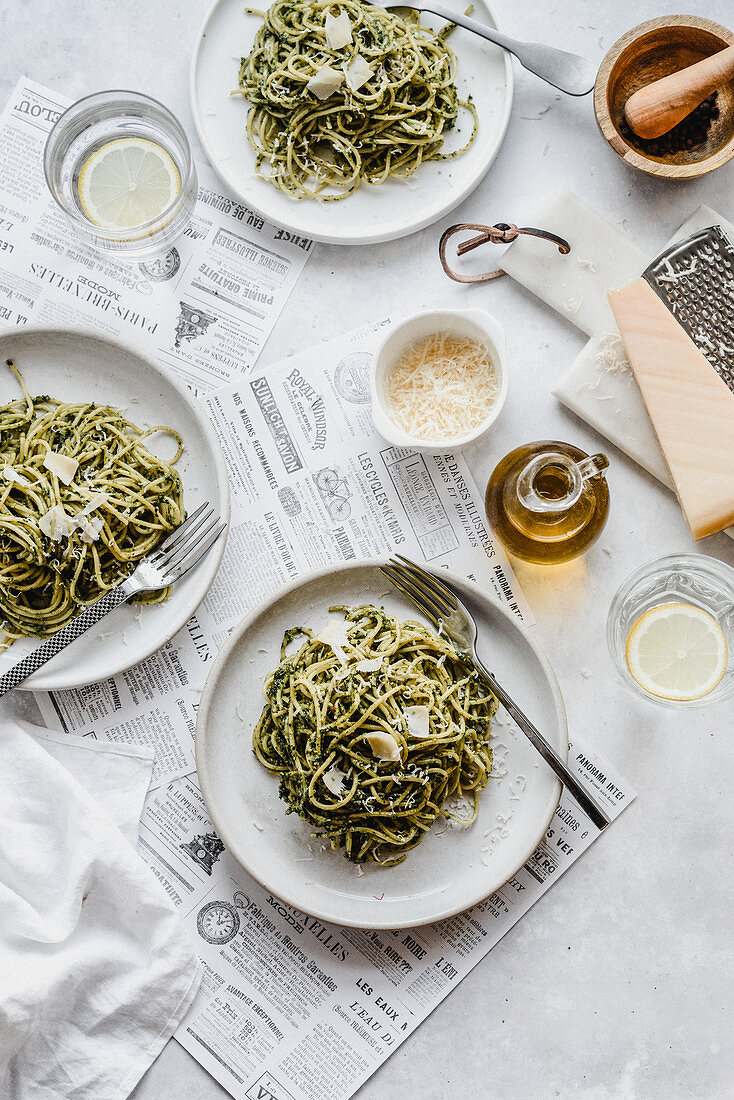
[(127, 182), (676, 651)]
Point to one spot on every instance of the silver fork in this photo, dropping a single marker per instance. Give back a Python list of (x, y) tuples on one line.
[(444, 609), (167, 563), (566, 71)]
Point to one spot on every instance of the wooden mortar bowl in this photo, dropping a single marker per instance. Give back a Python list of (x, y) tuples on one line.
[(647, 52)]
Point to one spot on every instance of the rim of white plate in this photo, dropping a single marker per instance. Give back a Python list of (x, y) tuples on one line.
[(457, 194)]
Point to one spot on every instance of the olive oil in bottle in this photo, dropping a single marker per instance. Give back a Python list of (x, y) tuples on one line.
[(548, 501)]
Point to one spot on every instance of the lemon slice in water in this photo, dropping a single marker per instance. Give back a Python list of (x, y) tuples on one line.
[(127, 182), (677, 651)]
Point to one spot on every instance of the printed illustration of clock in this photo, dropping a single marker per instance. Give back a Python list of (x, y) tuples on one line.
[(218, 922)]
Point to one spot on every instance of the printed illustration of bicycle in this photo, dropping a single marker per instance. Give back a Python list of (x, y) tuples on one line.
[(334, 492)]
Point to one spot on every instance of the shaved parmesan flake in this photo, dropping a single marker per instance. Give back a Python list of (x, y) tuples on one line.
[(56, 524), (10, 475), (94, 503), (334, 779), (335, 634), (61, 465), (366, 665), (338, 31), (442, 387), (357, 72), (383, 745), (90, 528), (417, 721), (325, 82)]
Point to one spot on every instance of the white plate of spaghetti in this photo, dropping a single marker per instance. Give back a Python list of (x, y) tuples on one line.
[(372, 161), (102, 454), (358, 769)]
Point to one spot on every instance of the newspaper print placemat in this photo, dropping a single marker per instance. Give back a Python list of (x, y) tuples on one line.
[(292, 1008), (205, 309)]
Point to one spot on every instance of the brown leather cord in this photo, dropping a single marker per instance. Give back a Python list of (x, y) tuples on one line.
[(501, 233)]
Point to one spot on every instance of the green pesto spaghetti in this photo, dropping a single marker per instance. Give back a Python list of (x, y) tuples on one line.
[(325, 118), (62, 546), (376, 734)]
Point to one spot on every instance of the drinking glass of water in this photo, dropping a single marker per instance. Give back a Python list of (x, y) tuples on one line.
[(119, 166), (671, 630)]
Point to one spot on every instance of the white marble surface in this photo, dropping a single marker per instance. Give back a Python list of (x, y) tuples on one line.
[(618, 984)]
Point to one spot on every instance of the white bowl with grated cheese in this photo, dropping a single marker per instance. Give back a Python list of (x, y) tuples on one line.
[(439, 379)]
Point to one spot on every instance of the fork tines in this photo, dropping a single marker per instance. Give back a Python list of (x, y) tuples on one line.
[(188, 543), (433, 598), (190, 524)]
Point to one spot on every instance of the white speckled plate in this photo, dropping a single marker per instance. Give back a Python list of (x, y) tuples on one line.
[(452, 868), (392, 209), (77, 364)]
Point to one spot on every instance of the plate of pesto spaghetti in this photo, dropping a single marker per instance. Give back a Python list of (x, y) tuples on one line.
[(102, 455), (358, 767), (345, 122)]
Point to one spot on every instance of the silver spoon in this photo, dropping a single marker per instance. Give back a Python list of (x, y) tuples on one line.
[(565, 71)]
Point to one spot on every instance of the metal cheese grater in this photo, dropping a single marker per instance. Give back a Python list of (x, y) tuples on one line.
[(695, 280)]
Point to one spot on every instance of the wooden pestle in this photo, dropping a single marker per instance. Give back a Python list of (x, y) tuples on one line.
[(657, 108)]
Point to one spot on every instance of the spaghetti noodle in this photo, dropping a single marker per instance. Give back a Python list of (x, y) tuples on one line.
[(373, 737)]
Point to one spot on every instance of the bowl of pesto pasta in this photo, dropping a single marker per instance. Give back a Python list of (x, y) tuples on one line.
[(345, 122), (102, 455), (358, 768)]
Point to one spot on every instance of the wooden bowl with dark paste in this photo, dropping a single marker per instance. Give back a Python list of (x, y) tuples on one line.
[(700, 143)]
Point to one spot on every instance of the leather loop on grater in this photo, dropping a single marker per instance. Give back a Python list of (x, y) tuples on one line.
[(500, 233), (677, 327)]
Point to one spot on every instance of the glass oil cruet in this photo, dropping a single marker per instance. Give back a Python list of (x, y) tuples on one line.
[(548, 501)]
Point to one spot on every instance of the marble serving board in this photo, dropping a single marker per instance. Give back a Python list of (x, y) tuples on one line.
[(599, 385)]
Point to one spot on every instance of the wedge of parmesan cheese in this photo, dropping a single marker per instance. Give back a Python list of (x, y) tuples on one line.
[(690, 406), (356, 73), (338, 30), (325, 82), (62, 465)]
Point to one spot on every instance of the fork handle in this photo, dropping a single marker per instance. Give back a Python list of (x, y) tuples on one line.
[(58, 641), (566, 71), (546, 750)]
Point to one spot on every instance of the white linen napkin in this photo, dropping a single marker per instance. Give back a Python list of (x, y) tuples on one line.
[(96, 970)]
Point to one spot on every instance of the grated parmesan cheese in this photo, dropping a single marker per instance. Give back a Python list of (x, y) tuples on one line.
[(442, 387)]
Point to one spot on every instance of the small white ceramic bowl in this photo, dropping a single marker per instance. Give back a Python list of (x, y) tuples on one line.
[(474, 323)]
